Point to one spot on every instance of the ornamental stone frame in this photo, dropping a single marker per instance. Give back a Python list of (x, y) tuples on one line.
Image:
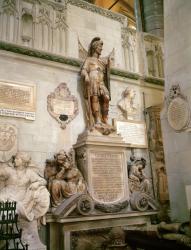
[(62, 106)]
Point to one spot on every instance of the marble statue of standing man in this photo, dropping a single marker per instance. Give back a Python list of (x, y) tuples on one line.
[(95, 77)]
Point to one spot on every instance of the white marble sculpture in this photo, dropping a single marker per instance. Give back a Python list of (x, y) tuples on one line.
[(126, 104), (8, 141), (21, 183)]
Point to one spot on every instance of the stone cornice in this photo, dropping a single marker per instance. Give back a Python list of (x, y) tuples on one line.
[(85, 5), (154, 80), (98, 10), (151, 37), (73, 62), (39, 54), (124, 73)]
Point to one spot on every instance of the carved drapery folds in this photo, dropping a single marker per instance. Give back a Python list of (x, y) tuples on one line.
[(64, 179), (21, 183), (8, 141), (36, 24)]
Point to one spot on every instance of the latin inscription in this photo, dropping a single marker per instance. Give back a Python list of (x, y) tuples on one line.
[(107, 176), (133, 133), (17, 100), (63, 107), (12, 95), (17, 113)]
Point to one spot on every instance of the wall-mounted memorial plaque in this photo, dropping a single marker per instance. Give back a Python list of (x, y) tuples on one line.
[(17, 100), (102, 161), (178, 111), (62, 105), (133, 133), (8, 141), (178, 114), (107, 179)]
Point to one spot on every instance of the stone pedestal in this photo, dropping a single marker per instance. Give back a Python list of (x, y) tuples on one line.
[(30, 235), (62, 231), (102, 161)]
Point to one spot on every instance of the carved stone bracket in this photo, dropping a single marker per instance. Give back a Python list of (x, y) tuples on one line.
[(62, 106), (139, 201)]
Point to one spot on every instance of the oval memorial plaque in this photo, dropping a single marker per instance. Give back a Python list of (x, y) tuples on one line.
[(178, 114), (62, 106)]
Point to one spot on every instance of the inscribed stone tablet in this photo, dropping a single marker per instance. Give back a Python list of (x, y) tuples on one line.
[(178, 114), (63, 107), (107, 176), (133, 133), (17, 100)]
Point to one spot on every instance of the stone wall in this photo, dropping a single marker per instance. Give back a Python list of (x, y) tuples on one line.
[(46, 68), (177, 71)]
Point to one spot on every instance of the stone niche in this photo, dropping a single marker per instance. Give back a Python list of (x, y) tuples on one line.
[(102, 160)]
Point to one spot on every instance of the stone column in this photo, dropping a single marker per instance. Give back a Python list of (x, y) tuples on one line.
[(177, 145), (153, 19)]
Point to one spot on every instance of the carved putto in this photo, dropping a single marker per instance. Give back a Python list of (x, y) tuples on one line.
[(62, 105), (96, 87), (22, 183), (127, 104), (64, 179)]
